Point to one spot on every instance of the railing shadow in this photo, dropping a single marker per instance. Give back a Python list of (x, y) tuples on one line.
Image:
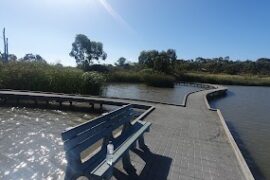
[(157, 167)]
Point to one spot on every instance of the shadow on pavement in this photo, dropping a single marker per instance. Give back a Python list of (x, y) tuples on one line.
[(157, 167)]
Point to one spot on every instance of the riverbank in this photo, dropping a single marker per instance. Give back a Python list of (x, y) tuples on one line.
[(163, 80), (226, 79)]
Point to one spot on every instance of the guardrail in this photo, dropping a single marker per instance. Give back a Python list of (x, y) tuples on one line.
[(196, 84)]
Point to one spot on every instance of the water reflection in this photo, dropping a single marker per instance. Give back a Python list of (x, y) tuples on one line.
[(246, 111), (30, 142), (140, 91)]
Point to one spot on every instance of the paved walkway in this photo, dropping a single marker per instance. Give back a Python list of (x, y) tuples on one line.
[(185, 143)]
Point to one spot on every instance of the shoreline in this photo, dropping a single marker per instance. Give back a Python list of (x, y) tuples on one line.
[(242, 162)]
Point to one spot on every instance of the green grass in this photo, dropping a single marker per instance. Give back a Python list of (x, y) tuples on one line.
[(250, 80), (44, 77)]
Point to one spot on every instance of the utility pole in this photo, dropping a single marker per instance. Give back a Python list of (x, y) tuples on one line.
[(5, 46), (7, 50)]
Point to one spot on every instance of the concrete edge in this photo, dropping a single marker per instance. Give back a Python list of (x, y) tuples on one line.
[(184, 103), (241, 160)]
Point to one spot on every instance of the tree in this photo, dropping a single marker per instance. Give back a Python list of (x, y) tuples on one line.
[(33, 58), (12, 57), (86, 51), (121, 62), (159, 61), (29, 57)]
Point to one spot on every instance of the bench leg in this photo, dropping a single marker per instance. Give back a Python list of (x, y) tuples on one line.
[(127, 163), (142, 144), (70, 173)]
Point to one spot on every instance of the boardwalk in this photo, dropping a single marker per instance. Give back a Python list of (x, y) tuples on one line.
[(185, 143)]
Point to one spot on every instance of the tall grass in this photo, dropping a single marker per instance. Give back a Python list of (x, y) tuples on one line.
[(159, 80), (148, 77), (125, 76), (251, 80), (43, 77)]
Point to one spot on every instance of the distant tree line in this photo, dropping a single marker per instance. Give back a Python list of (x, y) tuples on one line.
[(88, 54), (26, 58), (224, 65)]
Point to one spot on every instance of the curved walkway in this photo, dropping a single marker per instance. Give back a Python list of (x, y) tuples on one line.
[(187, 143)]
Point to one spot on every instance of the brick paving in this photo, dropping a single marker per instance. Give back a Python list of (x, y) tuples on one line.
[(184, 143)]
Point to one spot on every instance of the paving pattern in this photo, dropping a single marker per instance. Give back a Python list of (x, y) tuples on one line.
[(184, 143)]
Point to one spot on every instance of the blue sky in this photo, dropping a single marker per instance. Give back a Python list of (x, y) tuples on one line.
[(208, 28)]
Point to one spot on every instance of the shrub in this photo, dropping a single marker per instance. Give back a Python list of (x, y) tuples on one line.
[(125, 76), (159, 80), (147, 71), (92, 83)]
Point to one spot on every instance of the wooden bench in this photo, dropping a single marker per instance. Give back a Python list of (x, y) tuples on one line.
[(86, 144)]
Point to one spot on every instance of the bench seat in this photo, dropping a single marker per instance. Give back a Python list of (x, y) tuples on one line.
[(86, 144), (139, 130)]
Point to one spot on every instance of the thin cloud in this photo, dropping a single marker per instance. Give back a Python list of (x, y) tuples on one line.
[(117, 17)]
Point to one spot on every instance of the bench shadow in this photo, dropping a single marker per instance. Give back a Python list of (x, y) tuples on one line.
[(156, 167)]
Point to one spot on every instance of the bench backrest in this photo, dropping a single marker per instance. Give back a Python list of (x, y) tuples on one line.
[(94, 136)]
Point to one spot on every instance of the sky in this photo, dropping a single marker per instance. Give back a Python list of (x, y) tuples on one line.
[(194, 28)]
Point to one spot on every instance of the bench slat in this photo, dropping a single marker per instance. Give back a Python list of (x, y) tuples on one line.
[(70, 143), (89, 124), (105, 132)]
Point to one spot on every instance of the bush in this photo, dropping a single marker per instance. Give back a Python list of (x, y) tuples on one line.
[(92, 83), (159, 80), (125, 76), (148, 71), (147, 76)]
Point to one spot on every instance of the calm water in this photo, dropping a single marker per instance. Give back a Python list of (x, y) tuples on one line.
[(247, 112), (140, 91), (30, 142)]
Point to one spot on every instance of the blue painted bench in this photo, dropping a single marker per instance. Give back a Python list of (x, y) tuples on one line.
[(86, 145)]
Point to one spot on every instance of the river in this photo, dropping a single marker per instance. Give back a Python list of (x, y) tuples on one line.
[(31, 144), (247, 113), (140, 91)]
